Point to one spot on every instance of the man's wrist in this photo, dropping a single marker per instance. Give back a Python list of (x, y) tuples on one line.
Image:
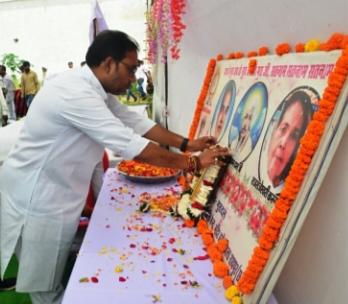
[(184, 144)]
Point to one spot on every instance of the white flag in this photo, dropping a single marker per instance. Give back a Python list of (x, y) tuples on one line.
[(98, 23)]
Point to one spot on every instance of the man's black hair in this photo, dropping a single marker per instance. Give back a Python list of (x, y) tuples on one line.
[(26, 64), (110, 43)]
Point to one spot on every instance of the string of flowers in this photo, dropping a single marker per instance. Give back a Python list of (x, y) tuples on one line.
[(165, 29), (308, 146), (201, 99)]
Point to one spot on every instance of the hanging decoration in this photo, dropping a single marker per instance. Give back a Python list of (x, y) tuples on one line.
[(165, 29)]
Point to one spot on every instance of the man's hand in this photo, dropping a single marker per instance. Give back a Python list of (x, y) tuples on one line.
[(211, 156), (201, 143)]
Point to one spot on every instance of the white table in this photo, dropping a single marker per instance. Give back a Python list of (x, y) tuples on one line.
[(146, 247)]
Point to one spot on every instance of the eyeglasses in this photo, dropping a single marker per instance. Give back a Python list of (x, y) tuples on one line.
[(132, 69)]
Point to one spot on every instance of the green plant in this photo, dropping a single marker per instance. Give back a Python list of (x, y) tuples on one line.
[(12, 63)]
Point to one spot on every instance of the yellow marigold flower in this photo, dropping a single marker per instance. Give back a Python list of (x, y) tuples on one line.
[(118, 269), (231, 292), (237, 300), (312, 45)]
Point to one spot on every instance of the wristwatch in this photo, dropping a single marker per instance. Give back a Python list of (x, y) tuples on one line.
[(183, 146)]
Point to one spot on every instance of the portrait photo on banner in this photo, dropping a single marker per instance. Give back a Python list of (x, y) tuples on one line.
[(204, 126), (248, 122), (223, 110), (283, 135)]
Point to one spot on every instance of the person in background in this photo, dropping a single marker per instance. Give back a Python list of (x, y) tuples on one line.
[(82, 63), (44, 75), (130, 91), (45, 179), (149, 85), (140, 88), (3, 109), (9, 86), (70, 65), (29, 82)]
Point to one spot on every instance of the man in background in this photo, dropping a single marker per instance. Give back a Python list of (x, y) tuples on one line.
[(3, 110), (30, 83), (70, 65), (7, 84)]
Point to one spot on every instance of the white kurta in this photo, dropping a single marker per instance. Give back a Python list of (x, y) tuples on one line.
[(44, 181)]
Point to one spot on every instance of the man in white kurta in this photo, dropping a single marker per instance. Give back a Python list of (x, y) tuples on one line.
[(8, 84), (3, 109), (61, 142), (44, 181)]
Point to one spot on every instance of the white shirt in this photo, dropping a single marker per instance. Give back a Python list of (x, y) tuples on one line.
[(3, 106), (8, 83), (44, 182)]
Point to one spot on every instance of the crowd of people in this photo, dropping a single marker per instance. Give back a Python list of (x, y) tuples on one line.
[(15, 102)]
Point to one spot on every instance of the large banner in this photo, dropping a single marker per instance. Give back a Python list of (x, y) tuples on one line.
[(262, 118)]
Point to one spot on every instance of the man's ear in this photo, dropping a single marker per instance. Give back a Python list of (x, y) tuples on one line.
[(107, 64)]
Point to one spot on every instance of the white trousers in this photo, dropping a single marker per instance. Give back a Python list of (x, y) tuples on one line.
[(48, 297)]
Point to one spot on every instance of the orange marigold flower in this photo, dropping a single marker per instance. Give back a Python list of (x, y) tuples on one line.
[(299, 47), (222, 245), (227, 282), (214, 254), (344, 42), (238, 55), (220, 269), (326, 47), (251, 54), (182, 182), (282, 49), (189, 223), (231, 56), (219, 57), (265, 244), (252, 66), (263, 51), (207, 239), (202, 226), (335, 41)]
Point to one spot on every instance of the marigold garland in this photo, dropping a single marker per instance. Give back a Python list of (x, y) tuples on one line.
[(201, 99)]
